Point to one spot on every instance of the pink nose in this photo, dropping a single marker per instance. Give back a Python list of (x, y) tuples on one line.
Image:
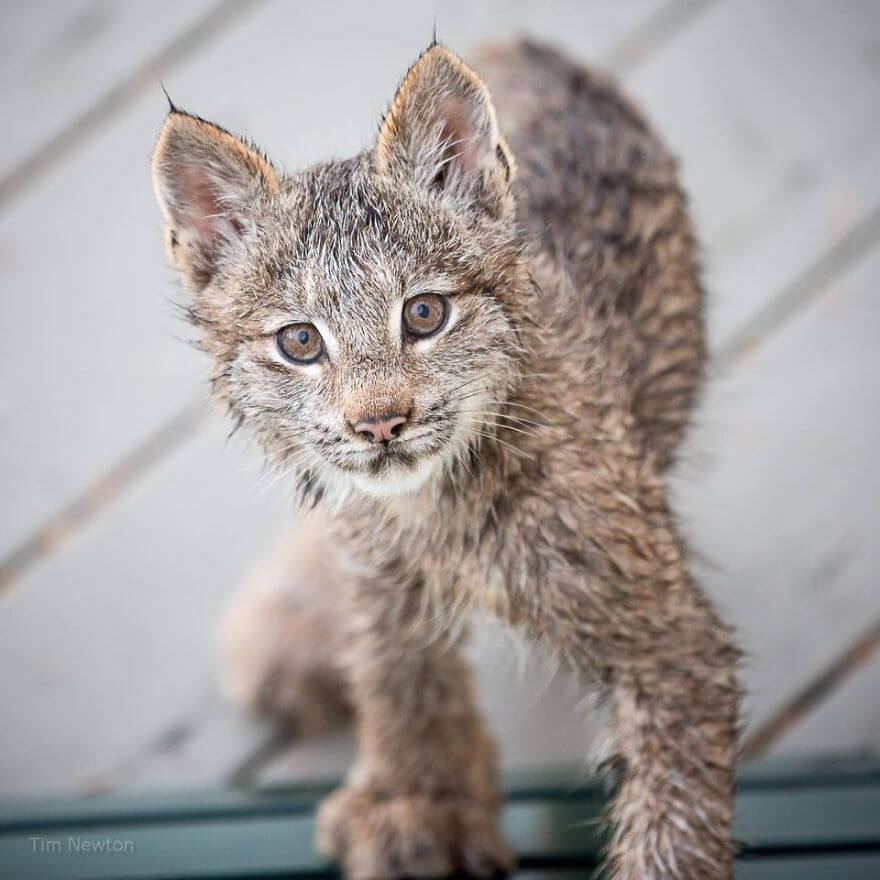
[(380, 430)]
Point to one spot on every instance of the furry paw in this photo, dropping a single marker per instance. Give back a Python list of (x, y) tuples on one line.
[(377, 838)]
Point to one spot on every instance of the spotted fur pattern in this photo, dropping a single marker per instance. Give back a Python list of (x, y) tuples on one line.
[(528, 480)]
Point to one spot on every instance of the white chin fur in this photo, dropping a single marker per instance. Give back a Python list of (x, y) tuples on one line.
[(398, 482)]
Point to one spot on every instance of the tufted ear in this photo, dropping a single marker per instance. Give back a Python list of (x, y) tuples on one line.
[(208, 184), (441, 131)]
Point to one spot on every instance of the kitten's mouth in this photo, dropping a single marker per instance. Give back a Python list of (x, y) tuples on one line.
[(384, 462), (399, 467), (390, 458), (396, 469)]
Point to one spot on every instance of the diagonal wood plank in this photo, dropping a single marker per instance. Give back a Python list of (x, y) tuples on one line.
[(783, 504), (775, 111), (59, 58), (110, 643), (846, 723)]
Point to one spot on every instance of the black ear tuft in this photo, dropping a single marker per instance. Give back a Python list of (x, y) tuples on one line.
[(172, 107)]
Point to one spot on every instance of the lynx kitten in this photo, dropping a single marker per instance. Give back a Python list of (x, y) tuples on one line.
[(477, 352)]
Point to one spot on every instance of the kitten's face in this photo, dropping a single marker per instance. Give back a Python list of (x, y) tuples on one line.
[(368, 304), (360, 313)]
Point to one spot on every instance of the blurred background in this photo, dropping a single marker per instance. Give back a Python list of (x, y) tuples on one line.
[(127, 519)]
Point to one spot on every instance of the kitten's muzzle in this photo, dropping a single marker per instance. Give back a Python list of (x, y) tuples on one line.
[(381, 430)]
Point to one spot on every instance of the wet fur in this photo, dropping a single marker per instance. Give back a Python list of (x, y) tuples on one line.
[(553, 405)]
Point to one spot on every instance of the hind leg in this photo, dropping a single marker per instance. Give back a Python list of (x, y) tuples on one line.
[(279, 636)]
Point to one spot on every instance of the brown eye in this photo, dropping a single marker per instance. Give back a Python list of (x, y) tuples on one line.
[(300, 343), (424, 315)]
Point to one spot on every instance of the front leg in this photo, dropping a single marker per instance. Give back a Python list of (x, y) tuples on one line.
[(609, 585), (674, 725), (421, 799)]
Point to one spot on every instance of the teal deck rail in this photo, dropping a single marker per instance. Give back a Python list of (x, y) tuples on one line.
[(806, 822)]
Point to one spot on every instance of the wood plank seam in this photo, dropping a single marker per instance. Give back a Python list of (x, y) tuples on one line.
[(652, 34), (796, 296), (814, 693), (106, 489), (139, 81)]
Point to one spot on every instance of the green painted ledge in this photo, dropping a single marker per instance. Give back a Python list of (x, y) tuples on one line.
[(795, 821)]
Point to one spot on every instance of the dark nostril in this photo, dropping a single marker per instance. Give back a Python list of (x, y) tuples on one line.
[(367, 431), (380, 430), (391, 426)]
